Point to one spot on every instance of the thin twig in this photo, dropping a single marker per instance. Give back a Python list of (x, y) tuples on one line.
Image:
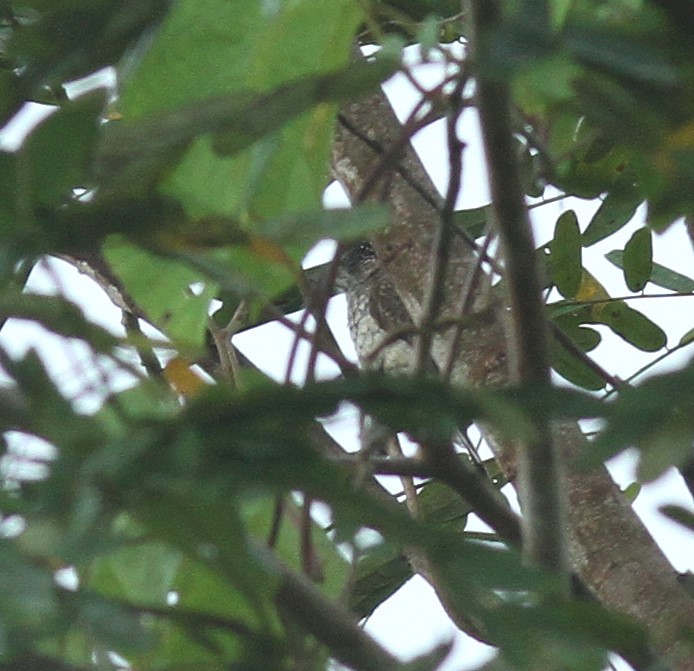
[(648, 366), (443, 241), (387, 465), (148, 358), (468, 297), (316, 300), (408, 486), (228, 359), (333, 353), (276, 523), (617, 299)]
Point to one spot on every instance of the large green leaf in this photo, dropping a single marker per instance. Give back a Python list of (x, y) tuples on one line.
[(164, 291), (660, 275), (565, 255), (136, 153), (626, 114), (655, 416), (264, 65), (213, 48), (633, 326), (614, 50), (616, 210), (199, 611), (473, 221), (638, 260), (575, 635), (51, 43), (57, 152)]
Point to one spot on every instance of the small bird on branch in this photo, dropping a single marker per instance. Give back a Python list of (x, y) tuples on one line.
[(380, 326)]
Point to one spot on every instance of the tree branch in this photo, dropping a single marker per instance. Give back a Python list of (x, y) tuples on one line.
[(540, 471), (332, 626)]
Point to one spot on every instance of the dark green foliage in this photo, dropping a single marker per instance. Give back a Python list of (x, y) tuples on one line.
[(207, 173)]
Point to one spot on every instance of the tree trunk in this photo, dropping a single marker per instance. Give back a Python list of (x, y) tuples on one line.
[(609, 547)]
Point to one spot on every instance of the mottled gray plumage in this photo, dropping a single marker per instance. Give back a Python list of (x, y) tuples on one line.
[(375, 312)]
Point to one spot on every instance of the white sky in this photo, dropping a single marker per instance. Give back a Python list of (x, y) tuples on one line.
[(412, 621)]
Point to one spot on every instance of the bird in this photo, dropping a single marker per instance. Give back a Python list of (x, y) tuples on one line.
[(379, 324), (382, 331)]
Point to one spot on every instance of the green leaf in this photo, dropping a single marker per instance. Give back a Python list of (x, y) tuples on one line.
[(28, 596), (64, 41), (56, 314), (559, 10), (683, 516), (632, 491), (10, 96), (163, 289), (624, 113), (638, 260), (442, 506), (614, 50), (583, 175), (433, 659), (254, 273), (616, 210), (110, 624), (633, 326), (660, 275), (428, 35), (136, 153), (474, 221), (381, 572), (56, 155), (545, 83), (687, 338), (655, 418), (268, 112), (424, 407), (141, 571), (668, 445), (307, 228), (567, 362), (217, 48), (565, 255), (205, 525), (573, 369), (575, 634), (586, 338)]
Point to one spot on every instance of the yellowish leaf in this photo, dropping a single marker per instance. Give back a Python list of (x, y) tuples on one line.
[(591, 290), (182, 378)]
